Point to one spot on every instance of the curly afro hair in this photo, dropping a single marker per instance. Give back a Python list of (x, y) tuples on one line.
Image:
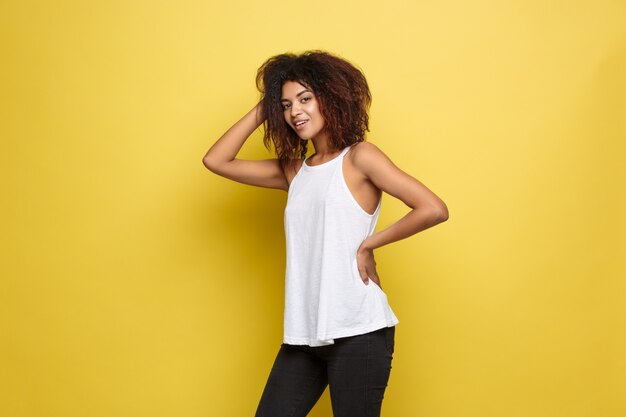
[(339, 86)]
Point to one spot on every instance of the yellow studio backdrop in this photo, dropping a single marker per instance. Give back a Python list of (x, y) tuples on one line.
[(135, 283)]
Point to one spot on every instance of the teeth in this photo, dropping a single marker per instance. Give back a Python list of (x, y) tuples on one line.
[(301, 123)]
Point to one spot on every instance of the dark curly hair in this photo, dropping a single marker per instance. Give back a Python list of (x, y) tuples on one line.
[(340, 87)]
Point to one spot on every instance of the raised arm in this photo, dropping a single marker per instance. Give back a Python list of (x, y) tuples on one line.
[(221, 160)]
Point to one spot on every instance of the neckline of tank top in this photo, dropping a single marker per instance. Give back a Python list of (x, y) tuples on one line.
[(323, 164)]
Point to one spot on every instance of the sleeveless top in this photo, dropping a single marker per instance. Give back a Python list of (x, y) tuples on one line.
[(325, 297)]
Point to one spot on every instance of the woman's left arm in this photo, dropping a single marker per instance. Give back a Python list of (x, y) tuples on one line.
[(427, 209)]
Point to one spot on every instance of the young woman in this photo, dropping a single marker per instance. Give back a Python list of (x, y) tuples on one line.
[(338, 326)]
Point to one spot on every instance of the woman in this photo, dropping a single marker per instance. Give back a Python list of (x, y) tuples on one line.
[(338, 326)]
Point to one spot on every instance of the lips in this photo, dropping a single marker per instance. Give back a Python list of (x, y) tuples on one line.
[(299, 125)]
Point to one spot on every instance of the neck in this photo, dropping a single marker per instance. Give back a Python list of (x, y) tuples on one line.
[(322, 146)]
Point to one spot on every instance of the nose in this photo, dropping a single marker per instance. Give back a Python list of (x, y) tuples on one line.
[(295, 109)]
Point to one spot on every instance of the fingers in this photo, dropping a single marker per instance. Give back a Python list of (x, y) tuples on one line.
[(369, 274), (364, 274), (367, 267)]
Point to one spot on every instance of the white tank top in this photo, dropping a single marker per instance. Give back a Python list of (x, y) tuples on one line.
[(325, 297)]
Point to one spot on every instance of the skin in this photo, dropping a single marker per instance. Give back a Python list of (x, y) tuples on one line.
[(367, 170)]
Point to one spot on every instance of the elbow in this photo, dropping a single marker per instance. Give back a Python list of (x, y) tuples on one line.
[(440, 213), (209, 164), (215, 163), (443, 213)]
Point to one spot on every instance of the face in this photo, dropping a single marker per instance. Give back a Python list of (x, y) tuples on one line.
[(300, 105)]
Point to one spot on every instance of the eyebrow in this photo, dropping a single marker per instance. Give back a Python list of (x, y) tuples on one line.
[(297, 95)]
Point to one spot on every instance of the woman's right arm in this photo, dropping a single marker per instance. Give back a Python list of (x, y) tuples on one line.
[(220, 158)]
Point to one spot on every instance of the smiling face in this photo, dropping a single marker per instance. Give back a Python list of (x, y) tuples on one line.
[(301, 110)]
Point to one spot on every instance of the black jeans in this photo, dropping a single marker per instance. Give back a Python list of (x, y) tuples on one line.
[(356, 368)]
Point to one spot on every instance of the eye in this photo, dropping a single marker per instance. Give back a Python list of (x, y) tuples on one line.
[(305, 99), (285, 106)]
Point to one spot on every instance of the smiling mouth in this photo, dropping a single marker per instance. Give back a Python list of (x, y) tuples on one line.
[(299, 125)]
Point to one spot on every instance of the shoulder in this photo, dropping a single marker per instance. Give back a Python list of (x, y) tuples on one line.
[(365, 155)]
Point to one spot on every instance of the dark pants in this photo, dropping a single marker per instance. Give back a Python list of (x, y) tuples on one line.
[(356, 368)]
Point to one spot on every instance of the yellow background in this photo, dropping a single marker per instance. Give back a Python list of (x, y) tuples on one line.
[(137, 283)]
